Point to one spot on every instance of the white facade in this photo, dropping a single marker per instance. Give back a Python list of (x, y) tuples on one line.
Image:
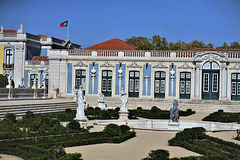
[(147, 67)]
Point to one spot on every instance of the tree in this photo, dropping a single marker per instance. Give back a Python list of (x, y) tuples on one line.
[(156, 40), (210, 45), (3, 81), (224, 46), (235, 45), (142, 43)]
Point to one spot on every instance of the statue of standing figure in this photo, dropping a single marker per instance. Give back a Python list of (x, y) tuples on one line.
[(124, 101), (174, 112), (101, 101), (9, 81), (81, 104)]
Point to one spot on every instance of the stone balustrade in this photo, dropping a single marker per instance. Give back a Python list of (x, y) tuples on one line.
[(142, 53)]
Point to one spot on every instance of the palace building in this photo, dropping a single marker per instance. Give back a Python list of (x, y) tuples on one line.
[(24, 55), (113, 65), (108, 67)]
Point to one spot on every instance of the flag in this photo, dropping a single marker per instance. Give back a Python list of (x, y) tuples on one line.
[(64, 24)]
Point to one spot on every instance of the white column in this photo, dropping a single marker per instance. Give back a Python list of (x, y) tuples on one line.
[(172, 80), (223, 82), (93, 78), (146, 79), (197, 91)]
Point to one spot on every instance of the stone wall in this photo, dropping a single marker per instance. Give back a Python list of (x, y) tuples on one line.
[(21, 93)]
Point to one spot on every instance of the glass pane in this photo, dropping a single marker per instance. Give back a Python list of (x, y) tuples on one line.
[(234, 76), (182, 87), (104, 84), (78, 83), (136, 74), (162, 74), (188, 75), (109, 85), (188, 87), (162, 89), (233, 88), (215, 82), (182, 75), (238, 88), (131, 85), (206, 65), (157, 84), (110, 73), (215, 65), (83, 73), (205, 82), (131, 74), (105, 73), (77, 72), (239, 76), (157, 75), (136, 85), (83, 83)]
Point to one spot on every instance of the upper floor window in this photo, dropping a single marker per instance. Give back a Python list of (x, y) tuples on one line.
[(8, 59)]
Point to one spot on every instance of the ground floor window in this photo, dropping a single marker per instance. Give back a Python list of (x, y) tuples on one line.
[(185, 85), (235, 86), (80, 79), (107, 83), (134, 83), (159, 84), (32, 77)]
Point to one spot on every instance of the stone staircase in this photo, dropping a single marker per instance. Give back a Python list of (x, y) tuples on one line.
[(21, 109)]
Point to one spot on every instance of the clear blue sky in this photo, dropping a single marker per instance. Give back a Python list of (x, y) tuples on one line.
[(95, 21)]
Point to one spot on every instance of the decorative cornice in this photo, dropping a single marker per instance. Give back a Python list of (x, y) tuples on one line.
[(106, 64), (134, 65), (236, 67), (211, 56), (80, 64), (160, 65), (185, 66)]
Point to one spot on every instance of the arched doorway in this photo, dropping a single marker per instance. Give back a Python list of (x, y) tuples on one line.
[(210, 81)]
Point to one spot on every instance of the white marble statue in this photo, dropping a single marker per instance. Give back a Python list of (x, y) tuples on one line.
[(101, 101), (20, 30), (81, 103), (9, 81), (1, 28), (124, 101)]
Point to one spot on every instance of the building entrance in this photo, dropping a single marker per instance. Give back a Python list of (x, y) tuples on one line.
[(210, 81)]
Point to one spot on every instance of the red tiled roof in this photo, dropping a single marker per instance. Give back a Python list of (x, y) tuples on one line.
[(41, 58), (39, 35), (113, 44), (9, 31), (213, 49)]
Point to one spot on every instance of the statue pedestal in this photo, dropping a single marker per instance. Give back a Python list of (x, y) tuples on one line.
[(173, 126), (82, 122), (123, 115)]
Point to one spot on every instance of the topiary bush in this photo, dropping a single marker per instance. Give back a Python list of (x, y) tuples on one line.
[(158, 154), (11, 117), (73, 126), (154, 109)]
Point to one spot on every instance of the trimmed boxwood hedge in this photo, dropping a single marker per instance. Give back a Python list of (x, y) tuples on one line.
[(221, 116), (156, 113), (196, 140)]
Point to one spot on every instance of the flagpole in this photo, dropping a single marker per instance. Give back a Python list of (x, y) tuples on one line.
[(68, 31)]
